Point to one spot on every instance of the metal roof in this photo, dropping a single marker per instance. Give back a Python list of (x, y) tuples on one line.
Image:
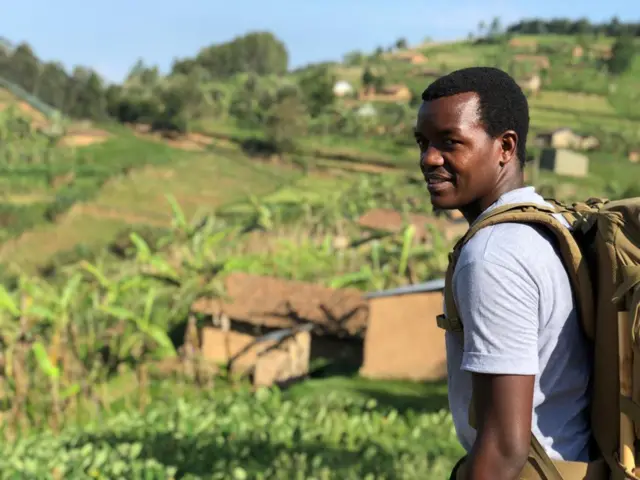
[(431, 286)]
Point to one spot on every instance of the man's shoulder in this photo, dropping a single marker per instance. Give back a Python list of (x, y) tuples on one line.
[(506, 244)]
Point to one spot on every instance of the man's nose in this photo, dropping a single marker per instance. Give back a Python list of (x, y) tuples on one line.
[(431, 157)]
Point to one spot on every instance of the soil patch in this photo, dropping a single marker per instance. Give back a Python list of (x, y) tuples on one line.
[(37, 118), (190, 141), (81, 138), (277, 303)]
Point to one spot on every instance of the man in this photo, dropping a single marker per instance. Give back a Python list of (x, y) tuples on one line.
[(522, 349)]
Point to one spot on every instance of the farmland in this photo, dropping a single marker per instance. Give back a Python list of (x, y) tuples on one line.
[(112, 230)]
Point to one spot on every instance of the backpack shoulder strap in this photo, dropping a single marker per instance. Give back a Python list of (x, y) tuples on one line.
[(576, 267), (570, 250), (451, 321)]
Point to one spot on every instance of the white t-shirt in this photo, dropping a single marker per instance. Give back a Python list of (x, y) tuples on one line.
[(515, 300)]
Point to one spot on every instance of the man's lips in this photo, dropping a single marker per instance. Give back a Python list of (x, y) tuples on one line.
[(435, 179), (436, 183)]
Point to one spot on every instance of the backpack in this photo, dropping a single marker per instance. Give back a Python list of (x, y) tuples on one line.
[(602, 256)]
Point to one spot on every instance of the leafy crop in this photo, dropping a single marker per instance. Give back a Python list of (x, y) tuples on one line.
[(242, 435)]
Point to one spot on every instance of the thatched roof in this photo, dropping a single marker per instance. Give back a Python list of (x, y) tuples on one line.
[(276, 303)]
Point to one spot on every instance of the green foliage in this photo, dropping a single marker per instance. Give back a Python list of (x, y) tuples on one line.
[(624, 96), (241, 436), (368, 78), (622, 54), (286, 120), (317, 88), (566, 26), (256, 52)]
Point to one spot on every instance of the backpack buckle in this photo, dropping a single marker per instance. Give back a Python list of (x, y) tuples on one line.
[(449, 324)]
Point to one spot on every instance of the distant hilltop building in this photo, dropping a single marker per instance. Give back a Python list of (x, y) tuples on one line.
[(564, 162), (531, 84), (565, 137), (342, 88), (395, 92)]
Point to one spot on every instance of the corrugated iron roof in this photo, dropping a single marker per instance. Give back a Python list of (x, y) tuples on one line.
[(431, 286)]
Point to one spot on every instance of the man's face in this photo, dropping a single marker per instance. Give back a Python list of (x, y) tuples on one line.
[(459, 160)]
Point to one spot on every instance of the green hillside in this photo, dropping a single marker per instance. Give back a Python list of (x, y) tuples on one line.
[(159, 188)]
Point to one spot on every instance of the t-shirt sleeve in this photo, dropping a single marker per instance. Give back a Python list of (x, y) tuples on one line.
[(498, 306)]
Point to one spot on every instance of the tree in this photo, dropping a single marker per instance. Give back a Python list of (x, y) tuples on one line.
[(496, 27), (401, 43), (622, 55), (317, 89), (257, 52), (368, 78), (24, 68), (481, 28), (286, 121)]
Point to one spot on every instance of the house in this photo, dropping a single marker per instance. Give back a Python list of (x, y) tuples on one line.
[(564, 162), (276, 357), (388, 93), (577, 52), (531, 84), (271, 329), (403, 340), (342, 88), (264, 315), (634, 156), (565, 137)]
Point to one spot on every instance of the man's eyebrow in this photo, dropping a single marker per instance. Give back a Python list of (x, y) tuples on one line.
[(449, 131)]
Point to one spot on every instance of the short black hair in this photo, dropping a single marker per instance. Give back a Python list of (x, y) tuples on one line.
[(503, 104)]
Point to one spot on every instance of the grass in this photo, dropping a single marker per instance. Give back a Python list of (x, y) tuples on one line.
[(36, 246), (399, 395), (199, 181), (574, 102)]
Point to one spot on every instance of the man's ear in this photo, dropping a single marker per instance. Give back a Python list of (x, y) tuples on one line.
[(508, 146)]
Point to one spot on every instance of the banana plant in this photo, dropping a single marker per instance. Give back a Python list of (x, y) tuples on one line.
[(19, 321), (110, 288), (147, 340), (56, 308), (147, 337)]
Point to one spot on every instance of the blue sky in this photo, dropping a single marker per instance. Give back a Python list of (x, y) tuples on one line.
[(111, 35)]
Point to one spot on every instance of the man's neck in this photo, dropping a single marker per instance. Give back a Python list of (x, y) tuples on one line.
[(473, 211)]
